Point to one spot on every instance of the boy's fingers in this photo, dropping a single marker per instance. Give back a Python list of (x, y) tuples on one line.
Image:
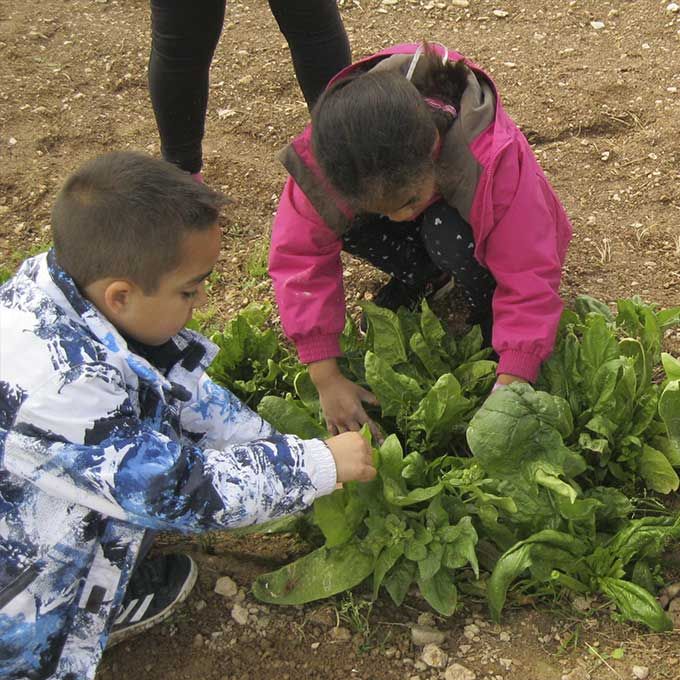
[(368, 472)]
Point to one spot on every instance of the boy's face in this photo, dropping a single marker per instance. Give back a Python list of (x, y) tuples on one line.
[(154, 318)]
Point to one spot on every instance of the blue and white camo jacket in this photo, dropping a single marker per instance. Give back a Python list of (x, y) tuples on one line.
[(97, 446)]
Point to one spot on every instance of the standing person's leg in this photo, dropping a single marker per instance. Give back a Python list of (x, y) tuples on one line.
[(183, 40), (317, 40), (450, 243)]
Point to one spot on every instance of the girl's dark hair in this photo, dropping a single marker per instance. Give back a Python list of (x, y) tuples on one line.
[(373, 132), (125, 215)]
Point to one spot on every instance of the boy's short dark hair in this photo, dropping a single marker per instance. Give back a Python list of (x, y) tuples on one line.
[(124, 215)]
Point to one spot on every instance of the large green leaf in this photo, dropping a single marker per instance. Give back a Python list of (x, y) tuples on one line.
[(657, 472), (339, 514), (440, 592), (385, 336), (431, 327), (459, 545), (669, 410), (440, 411), (319, 574), (395, 392), (668, 318), (636, 603), (289, 418), (386, 560), (517, 429), (507, 569), (520, 557), (560, 373), (399, 580), (598, 345), (632, 348), (430, 359), (642, 538), (585, 304)]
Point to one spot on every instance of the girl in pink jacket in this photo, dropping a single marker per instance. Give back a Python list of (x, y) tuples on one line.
[(412, 163)]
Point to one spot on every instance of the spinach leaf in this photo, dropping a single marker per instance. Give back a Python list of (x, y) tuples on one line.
[(636, 603), (321, 573), (440, 592), (288, 417)]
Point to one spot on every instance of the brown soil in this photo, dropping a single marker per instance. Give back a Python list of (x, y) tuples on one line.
[(601, 107)]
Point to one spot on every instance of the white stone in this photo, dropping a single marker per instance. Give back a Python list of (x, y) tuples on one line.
[(434, 656), (427, 618), (672, 7), (457, 672), (240, 614), (640, 672), (425, 635), (341, 634), (597, 25), (226, 587), (471, 631), (501, 13), (460, 3)]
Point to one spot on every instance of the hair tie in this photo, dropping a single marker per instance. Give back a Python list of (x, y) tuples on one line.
[(414, 61), (441, 106), (418, 53)]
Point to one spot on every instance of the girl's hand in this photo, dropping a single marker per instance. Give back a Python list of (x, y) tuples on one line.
[(503, 379), (341, 399)]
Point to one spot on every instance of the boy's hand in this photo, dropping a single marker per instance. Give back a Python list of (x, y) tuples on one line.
[(353, 457), (341, 399)]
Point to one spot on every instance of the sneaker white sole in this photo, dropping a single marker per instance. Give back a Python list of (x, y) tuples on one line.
[(130, 631)]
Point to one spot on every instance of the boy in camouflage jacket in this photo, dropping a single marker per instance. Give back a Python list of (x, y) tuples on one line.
[(110, 428)]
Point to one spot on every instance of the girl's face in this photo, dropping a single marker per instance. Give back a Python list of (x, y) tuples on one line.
[(406, 205)]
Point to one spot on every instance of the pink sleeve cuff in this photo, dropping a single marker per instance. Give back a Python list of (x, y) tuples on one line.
[(318, 347), (521, 364)]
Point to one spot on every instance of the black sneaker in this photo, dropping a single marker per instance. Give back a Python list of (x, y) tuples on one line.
[(156, 588), (395, 294)]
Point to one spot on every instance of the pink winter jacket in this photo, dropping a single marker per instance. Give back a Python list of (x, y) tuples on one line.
[(487, 170)]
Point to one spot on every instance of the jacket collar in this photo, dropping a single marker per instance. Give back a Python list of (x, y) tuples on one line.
[(61, 288)]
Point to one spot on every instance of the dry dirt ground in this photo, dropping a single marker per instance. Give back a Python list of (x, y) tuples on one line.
[(594, 85)]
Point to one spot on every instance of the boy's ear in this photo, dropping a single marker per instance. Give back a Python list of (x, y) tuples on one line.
[(117, 295)]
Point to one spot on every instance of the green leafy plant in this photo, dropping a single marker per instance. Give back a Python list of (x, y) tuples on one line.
[(477, 491)]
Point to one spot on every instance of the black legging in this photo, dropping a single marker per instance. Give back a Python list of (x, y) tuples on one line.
[(184, 36), (417, 252)]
